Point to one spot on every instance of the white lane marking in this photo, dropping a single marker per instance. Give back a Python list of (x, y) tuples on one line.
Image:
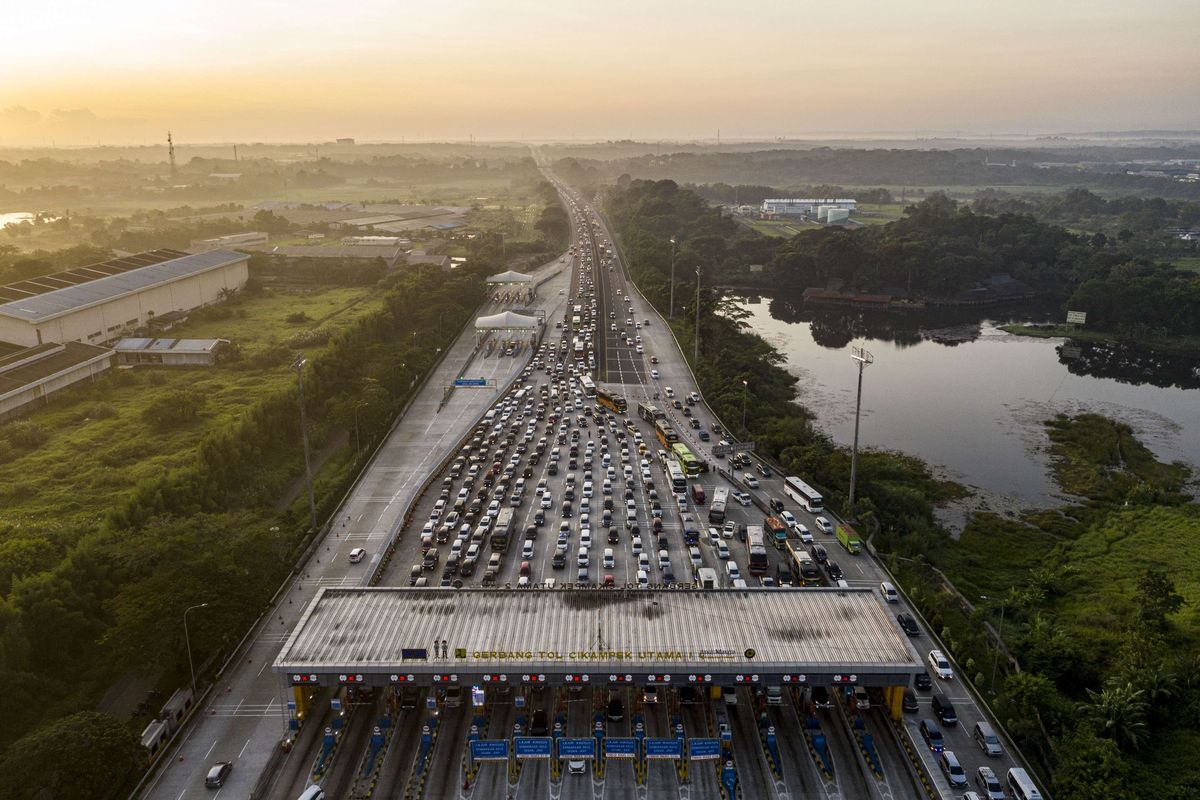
[(243, 750), (210, 749)]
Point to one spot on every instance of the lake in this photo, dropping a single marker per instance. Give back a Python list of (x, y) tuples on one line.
[(966, 397)]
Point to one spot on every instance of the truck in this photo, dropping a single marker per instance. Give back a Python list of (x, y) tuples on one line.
[(502, 530), (698, 495), (650, 413), (706, 577), (778, 531), (691, 530), (716, 512), (848, 538)]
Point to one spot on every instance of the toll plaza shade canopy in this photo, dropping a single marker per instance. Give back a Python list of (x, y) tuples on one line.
[(565, 635), (507, 321), (510, 276)]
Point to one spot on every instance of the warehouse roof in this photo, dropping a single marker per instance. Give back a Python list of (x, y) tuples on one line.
[(189, 346), (102, 284), (375, 629), (36, 364), (73, 277)]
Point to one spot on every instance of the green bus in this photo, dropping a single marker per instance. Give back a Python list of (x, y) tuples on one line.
[(688, 462)]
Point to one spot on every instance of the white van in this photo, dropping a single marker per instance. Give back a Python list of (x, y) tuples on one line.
[(609, 561), (643, 579), (313, 792), (1022, 786), (694, 553), (731, 571)]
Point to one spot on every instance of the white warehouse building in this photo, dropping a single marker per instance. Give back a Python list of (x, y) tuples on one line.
[(102, 302), (804, 207)]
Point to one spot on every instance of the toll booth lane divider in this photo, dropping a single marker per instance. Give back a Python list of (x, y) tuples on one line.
[(915, 760)]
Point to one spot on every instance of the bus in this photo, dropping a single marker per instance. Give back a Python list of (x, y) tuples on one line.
[(803, 494), (806, 569), (588, 385), (716, 511), (758, 550), (579, 347), (613, 402), (676, 477), (665, 433), (778, 530), (650, 413), (689, 463), (576, 322)]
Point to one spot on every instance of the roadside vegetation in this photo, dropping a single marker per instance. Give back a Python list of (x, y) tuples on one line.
[(155, 489), (1097, 603)]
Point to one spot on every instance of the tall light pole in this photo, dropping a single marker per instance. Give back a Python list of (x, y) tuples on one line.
[(863, 358), (696, 341), (671, 315), (187, 641), (745, 392), (312, 501), (999, 640)]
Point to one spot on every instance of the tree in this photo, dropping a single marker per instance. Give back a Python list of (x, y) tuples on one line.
[(1119, 713), (1090, 768), (1156, 598), (102, 754)]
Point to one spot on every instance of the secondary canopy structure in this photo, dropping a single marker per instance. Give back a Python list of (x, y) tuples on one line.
[(678, 636), (507, 321), (510, 277)]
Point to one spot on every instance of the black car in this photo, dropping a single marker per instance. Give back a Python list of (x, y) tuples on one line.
[(467, 569), (819, 554), (537, 723), (923, 681), (429, 559), (695, 423), (763, 470), (566, 510), (835, 572), (776, 505), (704, 437), (908, 624), (616, 709), (910, 704), (688, 695), (614, 536), (539, 517)]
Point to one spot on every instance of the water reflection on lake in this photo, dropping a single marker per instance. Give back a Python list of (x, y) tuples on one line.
[(955, 390)]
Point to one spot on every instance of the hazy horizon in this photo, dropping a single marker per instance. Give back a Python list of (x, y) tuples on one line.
[(218, 71)]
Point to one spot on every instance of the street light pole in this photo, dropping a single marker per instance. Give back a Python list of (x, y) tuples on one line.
[(999, 640), (187, 641), (696, 341), (745, 392), (863, 358), (671, 315), (312, 501), (357, 438)]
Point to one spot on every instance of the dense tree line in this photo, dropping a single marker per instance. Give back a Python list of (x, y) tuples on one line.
[(744, 194), (1129, 213)]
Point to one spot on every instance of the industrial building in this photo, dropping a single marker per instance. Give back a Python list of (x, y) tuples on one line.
[(30, 375), (170, 352), (102, 302), (232, 240), (804, 207)]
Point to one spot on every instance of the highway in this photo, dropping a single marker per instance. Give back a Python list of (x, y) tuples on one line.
[(587, 488)]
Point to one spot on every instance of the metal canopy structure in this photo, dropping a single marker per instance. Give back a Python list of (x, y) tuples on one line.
[(510, 276), (507, 321), (382, 635)]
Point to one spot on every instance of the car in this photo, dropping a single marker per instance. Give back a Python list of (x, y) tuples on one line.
[(818, 553), (729, 695), (825, 525), (576, 766), (750, 480), (743, 498), (650, 694), (953, 770), (985, 736), (804, 533), (922, 681), (688, 696), (908, 624), (763, 469), (527, 549), (835, 572), (862, 700), (704, 437), (357, 555), (909, 702), (429, 559), (218, 773), (988, 783), (932, 735), (615, 709), (788, 518), (414, 574), (940, 664), (653, 359)]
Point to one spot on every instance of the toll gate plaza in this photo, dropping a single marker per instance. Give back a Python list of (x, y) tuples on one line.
[(391, 636)]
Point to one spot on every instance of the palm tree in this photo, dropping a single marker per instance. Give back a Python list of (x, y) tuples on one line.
[(1119, 713)]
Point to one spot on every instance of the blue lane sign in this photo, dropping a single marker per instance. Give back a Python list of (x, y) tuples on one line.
[(532, 746), (489, 750), (576, 748), (620, 748), (471, 382), (704, 749), (663, 748)]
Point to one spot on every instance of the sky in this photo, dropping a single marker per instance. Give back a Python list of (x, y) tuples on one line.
[(125, 71)]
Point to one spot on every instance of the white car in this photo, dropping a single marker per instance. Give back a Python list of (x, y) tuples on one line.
[(668, 391), (788, 518), (654, 374), (940, 665), (750, 480), (825, 525), (357, 555), (805, 533)]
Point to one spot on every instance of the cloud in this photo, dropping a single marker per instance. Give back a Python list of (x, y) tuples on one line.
[(19, 115), (73, 116)]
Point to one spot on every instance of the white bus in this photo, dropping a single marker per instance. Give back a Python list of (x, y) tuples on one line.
[(588, 385), (676, 477), (803, 494), (1022, 786)]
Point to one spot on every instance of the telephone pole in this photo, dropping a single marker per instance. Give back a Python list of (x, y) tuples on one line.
[(864, 359), (696, 341), (671, 315)]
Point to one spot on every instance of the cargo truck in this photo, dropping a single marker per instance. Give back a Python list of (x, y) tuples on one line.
[(849, 539), (777, 530)]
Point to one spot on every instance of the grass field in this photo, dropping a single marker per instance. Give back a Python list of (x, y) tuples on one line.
[(97, 444), (1177, 344), (1190, 263), (784, 229)]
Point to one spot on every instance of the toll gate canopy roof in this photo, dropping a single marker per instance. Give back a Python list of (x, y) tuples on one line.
[(573, 631)]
